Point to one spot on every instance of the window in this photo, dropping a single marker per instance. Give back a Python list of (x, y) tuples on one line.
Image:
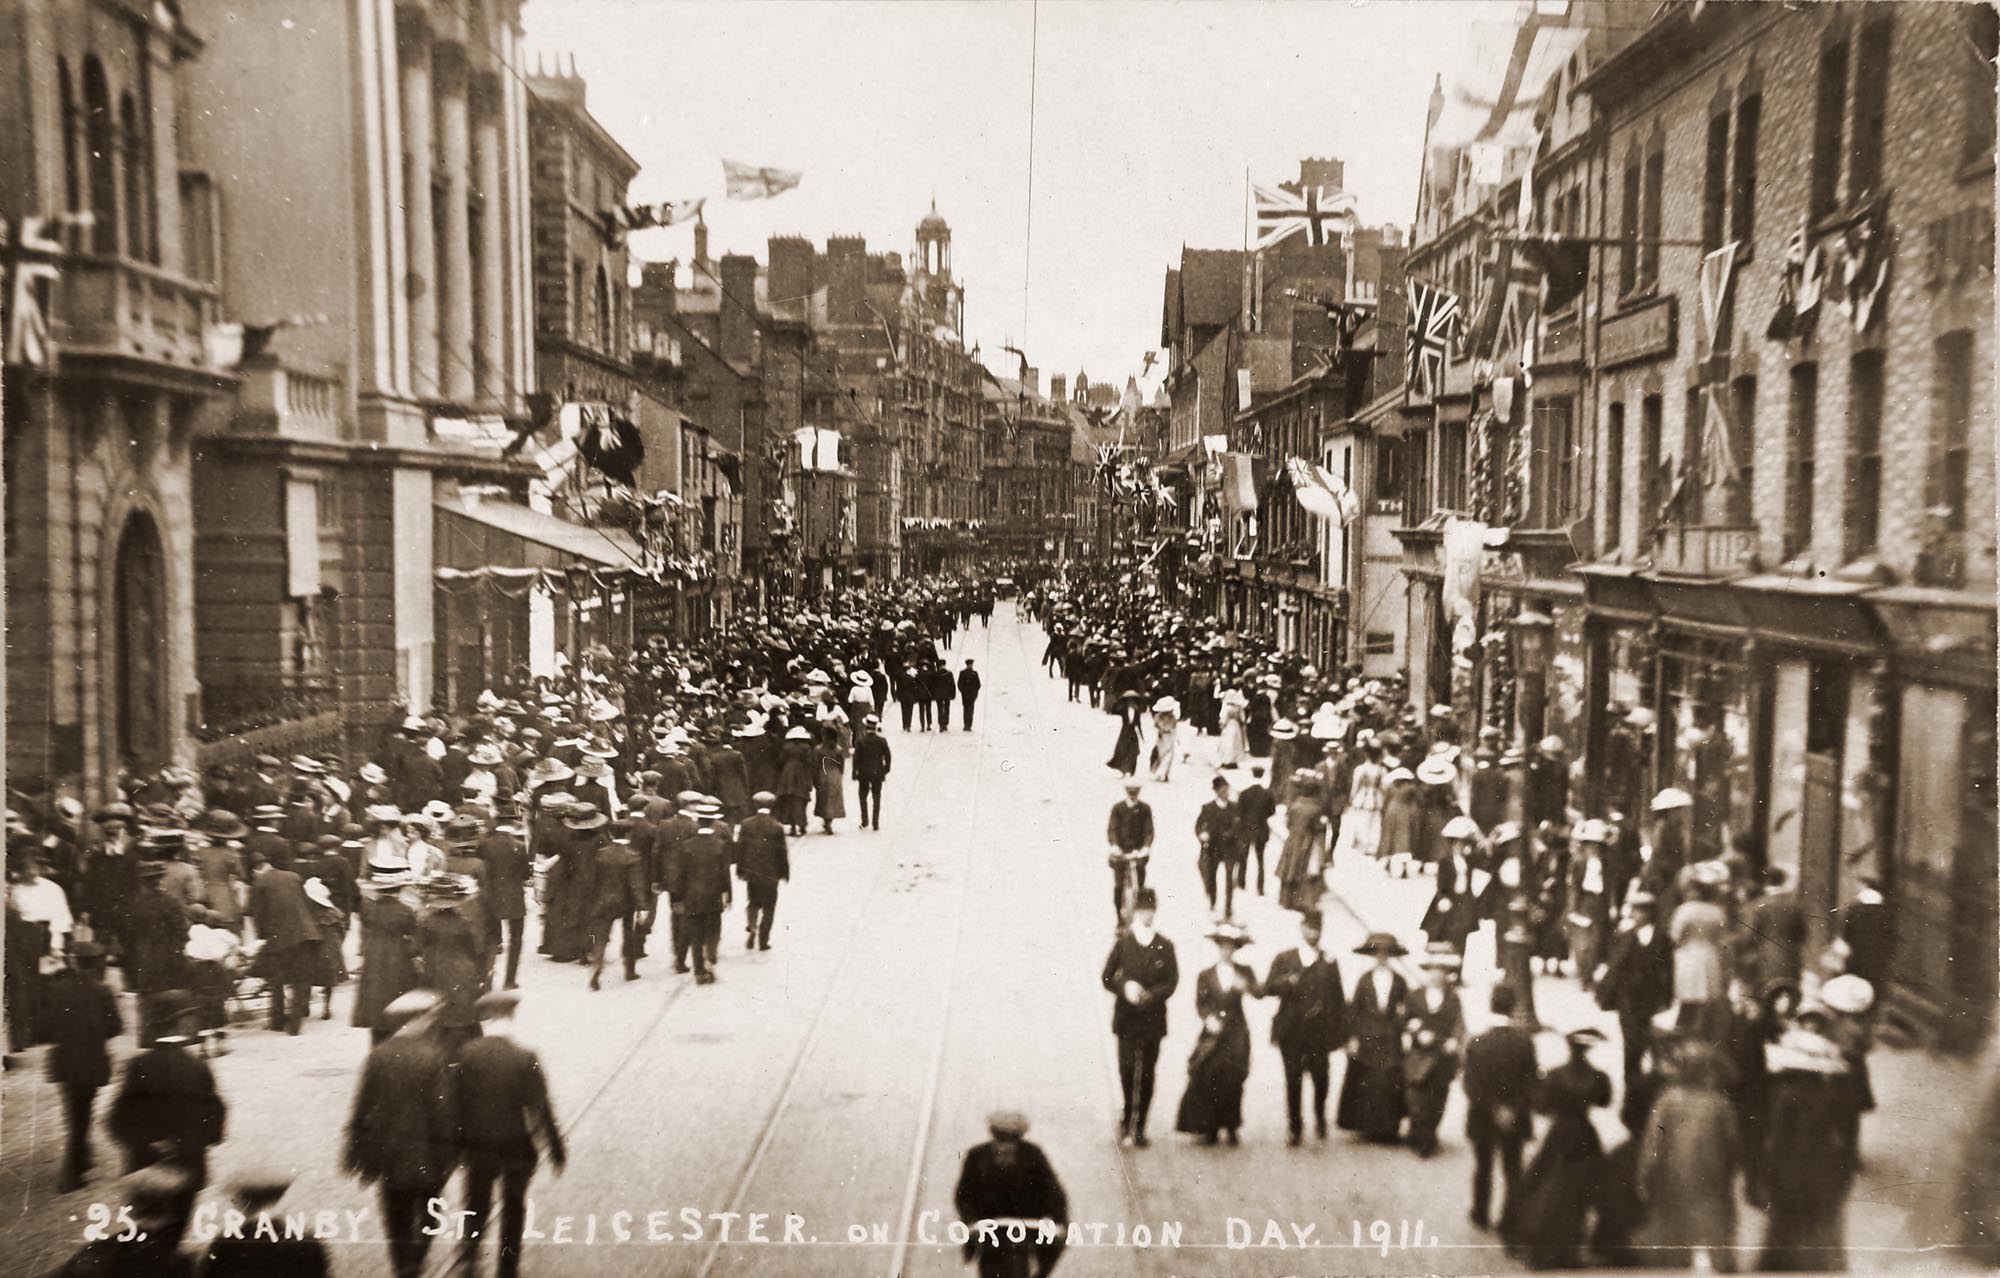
[(1649, 252), (1714, 186), (137, 220), (1388, 469), (1628, 224), (1738, 495), (1743, 183), (1651, 489), (1451, 466), (1828, 128), (1863, 489), (1555, 437), (1951, 428), (1416, 479), (1977, 52), (1378, 643), (1692, 473), (1871, 108), (72, 174), (1799, 445), (1613, 530), (98, 133)]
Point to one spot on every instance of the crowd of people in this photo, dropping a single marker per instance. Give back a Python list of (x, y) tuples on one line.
[(634, 796), (1745, 1071)]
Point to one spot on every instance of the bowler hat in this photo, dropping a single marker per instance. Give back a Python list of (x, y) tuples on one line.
[(1381, 945)]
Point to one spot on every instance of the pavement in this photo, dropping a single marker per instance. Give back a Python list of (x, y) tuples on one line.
[(921, 976)]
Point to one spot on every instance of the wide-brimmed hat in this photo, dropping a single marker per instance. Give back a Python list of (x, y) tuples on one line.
[(798, 733), (1284, 730), (1461, 827), (437, 810), (593, 769), (486, 755), (549, 771), (1228, 932), (602, 711), (1672, 799), (1166, 705), (1398, 774), (1591, 830), (862, 679), (265, 812), (307, 764), (317, 893), (1584, 1036), (1381, 945), (585, 816), (373, 774), (382, 813), (703, 811), (597, 748), (219, 823), (1436, 770)]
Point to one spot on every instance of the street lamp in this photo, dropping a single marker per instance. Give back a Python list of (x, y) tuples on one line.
[(1516, 939)]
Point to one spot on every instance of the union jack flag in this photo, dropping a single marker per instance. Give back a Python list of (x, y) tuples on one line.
[(1321, 212), (1435, 321)]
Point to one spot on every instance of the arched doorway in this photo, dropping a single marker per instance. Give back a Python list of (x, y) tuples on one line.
[(139, 632)]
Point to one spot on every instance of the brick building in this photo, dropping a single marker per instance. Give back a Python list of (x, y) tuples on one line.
[(1028, 508)]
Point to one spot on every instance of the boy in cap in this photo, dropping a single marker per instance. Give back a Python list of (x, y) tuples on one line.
[(167, 1110), (503, 1111)]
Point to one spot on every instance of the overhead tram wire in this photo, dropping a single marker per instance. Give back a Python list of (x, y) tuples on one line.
[(1028, 233)]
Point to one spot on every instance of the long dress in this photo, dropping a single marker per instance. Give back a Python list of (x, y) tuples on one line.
[(1257, 728), (1545, 1226), (1372, 1097), (1431, 1062), (1231, 744), (1220, 1063), (388, 955), (1399, 821), (831, 801), (1299, 862), (1690, 1152), (1361, 824), (1165, 742), (1125, 754), (797, 766)]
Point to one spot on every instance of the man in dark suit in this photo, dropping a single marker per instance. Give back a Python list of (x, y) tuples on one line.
[(915, 696), (762, 862), (402, 1133), (1215, 829), (669, 840), (1141, 973), (167, 1109), (290, 955), (1308, 1024), (1637, 982), (1500, 1077), (619, 883), (968, 691), (1130, 834), (943, 688), (81, 1015), (705, 887), (1254, 808), (503, 1107), (508, 869), (1008, 1178), (871, 768)]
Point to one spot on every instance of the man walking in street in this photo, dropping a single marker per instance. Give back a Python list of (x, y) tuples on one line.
[(1254, 809), (1009, 1179), (1500, 1078), (704, 880), (1130, 834), (762, 862), (871, 768), (402, 1133), (508, 869), (669, 846), (82, 1016), (285, 923), (167, 1109), (503, 1112), (1142, 974), (943, 689), (1309, 1022), (1215, 831), (968, 691), (1637, 982), (619, 887)]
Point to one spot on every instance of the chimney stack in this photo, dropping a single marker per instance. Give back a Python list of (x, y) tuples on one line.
[(736, 328), (700, 245), (1059, 387)]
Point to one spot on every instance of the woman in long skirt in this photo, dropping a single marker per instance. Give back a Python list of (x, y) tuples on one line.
[(1258, 717), (798, 764), (831, 803), (1213, 1102), (1166, 737), (1285, 756), (1361, 824), (388, 948), (1437, 1028), (1546, 1221), (330, 965), (1372, 1096), (1130, 709), (1399, 821), (1305, 833), (1231, 744)]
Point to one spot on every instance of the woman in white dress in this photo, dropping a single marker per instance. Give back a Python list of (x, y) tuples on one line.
[(1166, 730), (1361, 824), (1231, 742)]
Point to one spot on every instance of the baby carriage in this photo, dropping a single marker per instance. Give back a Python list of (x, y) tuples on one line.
[(220, 976)]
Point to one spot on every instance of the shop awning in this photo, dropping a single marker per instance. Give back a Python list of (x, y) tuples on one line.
[(579, 543)]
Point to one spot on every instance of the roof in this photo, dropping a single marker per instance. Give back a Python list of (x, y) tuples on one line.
[(1211, 289), (606, 547), (1379, 410), (1170, 308)]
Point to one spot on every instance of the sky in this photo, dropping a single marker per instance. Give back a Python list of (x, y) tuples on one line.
[(1146, 116)]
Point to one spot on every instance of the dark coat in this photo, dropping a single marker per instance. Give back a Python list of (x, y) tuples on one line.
[(761, 855), (704, 873), (388, 956), (1455, 909), (332, 869), (80, 1016), (1215, 827), (730, 779), (939, 683), (1254, 809), (279, 906), (1638, 979), (619, 882), (669, 839), (1131, 826), (155, 934), (1312, 1003), (503, 1104), (403, 1129), (1372, 1099), (871, 757), (798, 764), (1500, 1078), (508, 869), (1023, 1186), (168, 1096), (968, 684), (1157, 971), (1221, 1059)]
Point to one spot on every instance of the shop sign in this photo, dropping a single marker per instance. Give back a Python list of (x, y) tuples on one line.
[(1644, 333)]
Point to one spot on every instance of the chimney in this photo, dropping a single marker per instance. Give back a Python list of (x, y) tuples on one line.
[(657, 296), (735, 325), (1318, 172), (846, 278), (1059, 387), (791, 273), (700, 245), (1031, 380)]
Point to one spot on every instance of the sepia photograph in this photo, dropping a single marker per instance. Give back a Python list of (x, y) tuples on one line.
[(601, 594)]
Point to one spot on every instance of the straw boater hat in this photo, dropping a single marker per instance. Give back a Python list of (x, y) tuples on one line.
[(437, 810), (218, 823), (1848, 994), (372, 774), (1381, 945), (862, 679), (1440, 956), (798, 733), (1284, 730), (549, 771), (316, 893), (558, 801), (1672, 799), (486, 756), (598, 748), (1436, 770), (1166, 705), (1228, 932), (1461, 827)]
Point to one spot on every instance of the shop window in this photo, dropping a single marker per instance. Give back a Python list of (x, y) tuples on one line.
[(1829, 127), (1739, 496), (1743, 185), (1613, 530), (1416, 480), (1715, 179), (1871, 107), (1800, 442), (1863, 488)]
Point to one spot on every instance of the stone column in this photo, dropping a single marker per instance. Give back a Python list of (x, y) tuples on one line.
[(455, 299), (414, 49), (491, 322)]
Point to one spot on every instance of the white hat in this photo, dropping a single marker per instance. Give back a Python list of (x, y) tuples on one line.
[(798, 733), (316, 893), (1848, 994), (863, 679), (1436, 770), (1166, 705), (1672, 799), (1591, 831), (1461, 827)]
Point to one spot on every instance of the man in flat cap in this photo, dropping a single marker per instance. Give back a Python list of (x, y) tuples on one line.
[(1008, 1184), (402, 1133), (167, 1110), (762, 862), (704, 886), (505, 1120)]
